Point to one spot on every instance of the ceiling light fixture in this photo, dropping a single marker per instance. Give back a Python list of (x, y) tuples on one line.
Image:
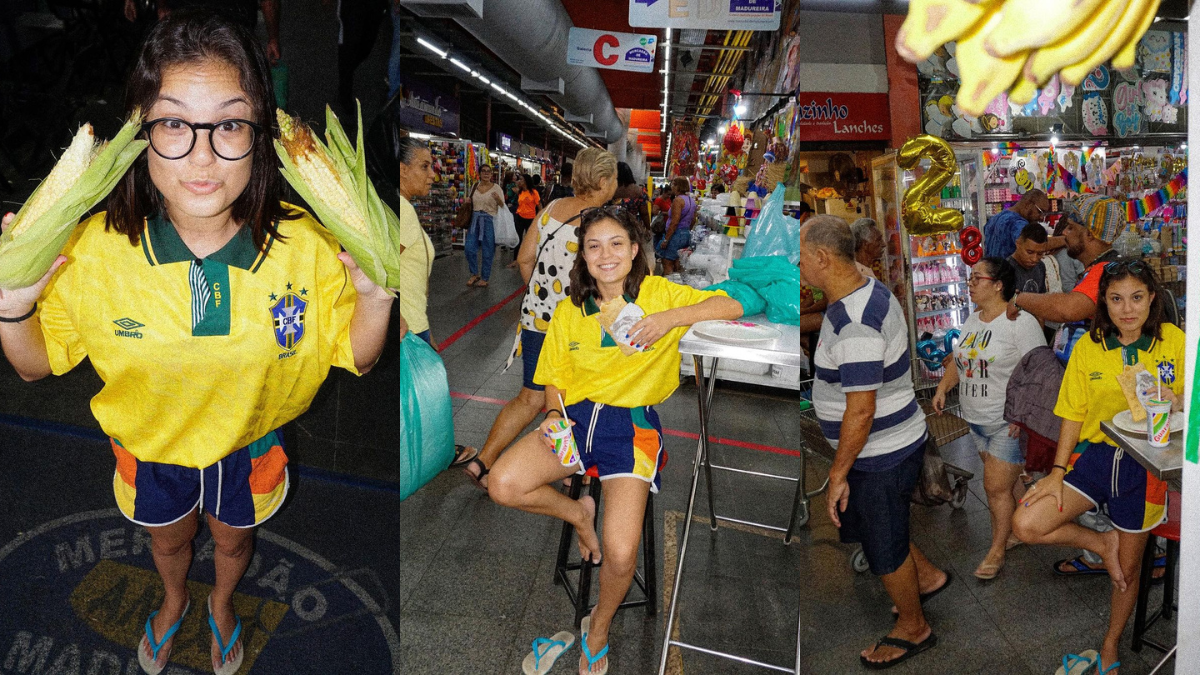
[(432, 47)]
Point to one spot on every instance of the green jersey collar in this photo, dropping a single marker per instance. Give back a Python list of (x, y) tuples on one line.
[(1129, 352), (162, 245), (590, 307)]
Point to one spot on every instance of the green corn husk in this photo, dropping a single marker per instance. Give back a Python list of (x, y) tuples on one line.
[(332, 179), (84, 175)]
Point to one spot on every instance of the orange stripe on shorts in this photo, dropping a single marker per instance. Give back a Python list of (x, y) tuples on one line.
[(267, 472), (126, 464)]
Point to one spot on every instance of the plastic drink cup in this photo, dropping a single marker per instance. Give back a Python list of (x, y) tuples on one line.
[(1158, 423), (564, 443)]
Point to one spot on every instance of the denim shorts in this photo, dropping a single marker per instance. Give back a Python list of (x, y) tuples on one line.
[(681, 239), (995, 441), (531, 349), (876, 514)]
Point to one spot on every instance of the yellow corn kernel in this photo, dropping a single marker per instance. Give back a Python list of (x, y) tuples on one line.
[(62, 178), (319, 173)]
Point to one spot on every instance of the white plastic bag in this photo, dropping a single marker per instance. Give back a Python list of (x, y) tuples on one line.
[(506, 228)]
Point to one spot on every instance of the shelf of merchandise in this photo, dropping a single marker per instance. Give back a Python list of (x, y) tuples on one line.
[(437, 210), (936, 284)]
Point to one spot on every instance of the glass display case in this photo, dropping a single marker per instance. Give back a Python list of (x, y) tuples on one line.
[(926, 273)]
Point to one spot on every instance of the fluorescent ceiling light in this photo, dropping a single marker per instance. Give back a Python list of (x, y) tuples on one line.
[(423, 137), (498, 88), (460, 64), (433, 48)]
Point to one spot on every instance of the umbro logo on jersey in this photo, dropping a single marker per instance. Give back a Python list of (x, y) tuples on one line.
[(128, 328), (573, 346)]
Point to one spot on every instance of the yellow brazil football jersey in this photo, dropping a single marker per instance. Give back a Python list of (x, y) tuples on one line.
[(580, 358), (199, 357), (1090, 392)]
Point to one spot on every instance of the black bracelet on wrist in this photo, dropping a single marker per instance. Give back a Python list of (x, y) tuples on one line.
[(552, 410), (1059, 466), (19, 319)]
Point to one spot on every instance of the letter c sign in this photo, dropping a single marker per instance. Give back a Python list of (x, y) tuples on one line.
[(598, 49)]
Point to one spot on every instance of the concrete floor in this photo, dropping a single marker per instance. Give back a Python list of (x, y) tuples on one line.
[(468, 584)]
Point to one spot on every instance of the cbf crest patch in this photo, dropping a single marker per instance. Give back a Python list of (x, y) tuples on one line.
[(288, 315), (1166, 372)]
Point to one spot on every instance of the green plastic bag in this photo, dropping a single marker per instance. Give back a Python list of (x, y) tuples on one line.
[(426, 416), (783, 301), (752, 303)]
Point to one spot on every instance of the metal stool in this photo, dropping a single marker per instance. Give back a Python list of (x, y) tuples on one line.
[(1169, 531), (646, 579)]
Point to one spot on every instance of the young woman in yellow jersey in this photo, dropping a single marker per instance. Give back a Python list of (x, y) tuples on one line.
[(610, 399), (211, 311), (1129, 328)]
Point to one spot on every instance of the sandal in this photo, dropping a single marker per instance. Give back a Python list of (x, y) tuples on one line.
[(473, 279), (482, 283), (149, 664), (483, 472), (988, 570), (463, 454), (1101, 670), (1078, 568), (227, 667), (546, 652), (583, 630), (1078, 664), (911, 649)]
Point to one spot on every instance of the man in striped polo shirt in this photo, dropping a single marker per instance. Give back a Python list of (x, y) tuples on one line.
[(864, 400)]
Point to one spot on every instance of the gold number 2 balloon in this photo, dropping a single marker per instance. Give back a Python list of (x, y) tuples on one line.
[(919, 216)]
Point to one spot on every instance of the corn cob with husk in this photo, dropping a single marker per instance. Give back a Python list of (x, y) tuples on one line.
[(84, 175), (332, 178)]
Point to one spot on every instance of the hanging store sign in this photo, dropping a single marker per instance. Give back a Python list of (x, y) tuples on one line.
[(721, 15), (504, 142), (614, 51), (826, 116), (419, 107)]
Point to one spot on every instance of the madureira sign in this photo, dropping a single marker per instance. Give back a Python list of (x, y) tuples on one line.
[(607, 49), (828, 116), (709, 14)]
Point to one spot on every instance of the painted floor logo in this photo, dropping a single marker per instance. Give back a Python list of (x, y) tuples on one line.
[(77, 592)]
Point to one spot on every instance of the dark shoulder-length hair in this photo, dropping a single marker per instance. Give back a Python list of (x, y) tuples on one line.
[(583, 285), (195, 36), (1102, 323), (1003, 272)]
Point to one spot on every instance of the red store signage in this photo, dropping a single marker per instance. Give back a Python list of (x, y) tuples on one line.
[(826, 116)]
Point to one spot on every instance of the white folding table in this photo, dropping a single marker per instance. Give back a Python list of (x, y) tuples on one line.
[(784, 351)]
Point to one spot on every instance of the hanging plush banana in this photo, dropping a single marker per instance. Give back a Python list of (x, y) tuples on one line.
[(1018, 45)]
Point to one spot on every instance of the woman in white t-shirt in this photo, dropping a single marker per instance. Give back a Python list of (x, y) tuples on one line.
[(988, 351), (486, 200)]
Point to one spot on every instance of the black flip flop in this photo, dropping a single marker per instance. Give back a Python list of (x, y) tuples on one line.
[(458, 452), (926, 597), (483, 471), (911, 649)]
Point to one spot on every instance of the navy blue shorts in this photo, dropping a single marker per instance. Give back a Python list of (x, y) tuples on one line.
[(1136, 501), (619, 442), (531, 349), (426, 336), (876, 514)]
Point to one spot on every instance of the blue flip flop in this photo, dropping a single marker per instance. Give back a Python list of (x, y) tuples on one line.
[(1079, 664), (546, 652), (1101, 670), (232, 666), (149, 664), (583, 628)]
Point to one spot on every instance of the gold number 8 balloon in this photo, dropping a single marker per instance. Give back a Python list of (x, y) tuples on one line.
[(919, 216)]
